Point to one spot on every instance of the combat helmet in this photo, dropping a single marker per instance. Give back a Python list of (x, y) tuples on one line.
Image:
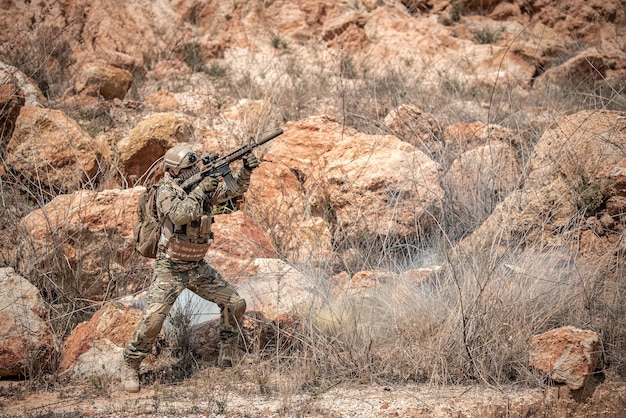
[(178, 158)]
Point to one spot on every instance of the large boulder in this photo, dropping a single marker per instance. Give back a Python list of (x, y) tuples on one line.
[(92, 233), (481, 177), (417, 127), (585, 68), (580, 148), (339, 186), (566, 176), (94, 347), (49, 151), (281, 191), (277, 289), (378, 187), (302, 146), (539, 45), (149, 140), (567, 355), (238, 241), (596, 23), (104, 81), (26, 339), (278, 201)]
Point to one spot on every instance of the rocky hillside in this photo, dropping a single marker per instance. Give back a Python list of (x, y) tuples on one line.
[(450, 173)]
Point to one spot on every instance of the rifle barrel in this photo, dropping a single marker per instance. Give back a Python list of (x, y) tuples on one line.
[(270, 137)]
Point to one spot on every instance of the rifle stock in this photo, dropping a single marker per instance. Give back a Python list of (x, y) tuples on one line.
[(220, 166)]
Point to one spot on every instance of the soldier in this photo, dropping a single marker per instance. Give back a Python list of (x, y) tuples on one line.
[(180, 264)]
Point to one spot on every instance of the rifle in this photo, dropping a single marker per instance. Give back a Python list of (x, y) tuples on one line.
[(214, 165)]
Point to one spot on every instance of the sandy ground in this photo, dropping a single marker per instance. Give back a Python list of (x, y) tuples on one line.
[(233, 393)]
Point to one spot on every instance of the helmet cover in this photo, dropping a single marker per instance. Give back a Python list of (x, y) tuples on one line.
[(178, 158)]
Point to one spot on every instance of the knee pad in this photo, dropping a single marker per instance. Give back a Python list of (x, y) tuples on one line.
[(154, 324), (238, 307)]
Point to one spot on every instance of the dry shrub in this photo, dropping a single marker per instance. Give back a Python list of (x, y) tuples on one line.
[(43, 55), (472, 323)]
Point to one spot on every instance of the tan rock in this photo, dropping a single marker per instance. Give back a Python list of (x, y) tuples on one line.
[(583, 21), (366, 281), (584, 144), (169, 69), (464, 132), (562, 180), (91, 230), (567, 355), (162, 101), (421, 275), (112, 322), (278, 201), (237, 243), (91, 210), (540, 44), (584, 68), (344, 30), (378, 186), (340, 21), (417, 127), (481, 177), (506, 11), (31, 92), (374, 185), (26, 339), (149, 140), (103, 80), (303, 145), (246, 111), (49, 149), (277, 289)]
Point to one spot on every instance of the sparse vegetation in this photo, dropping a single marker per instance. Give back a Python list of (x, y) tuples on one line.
[(486, 35), (193, 57), (469, 322), (452, 14), (278, 42)]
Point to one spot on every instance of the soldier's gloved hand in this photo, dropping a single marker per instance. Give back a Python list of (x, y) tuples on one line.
[(250, 162), (206, 186)]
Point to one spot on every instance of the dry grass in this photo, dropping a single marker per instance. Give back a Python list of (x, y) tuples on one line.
[(472, 323)]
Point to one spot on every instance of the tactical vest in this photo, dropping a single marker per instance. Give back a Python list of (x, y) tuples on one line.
[(188, 242)]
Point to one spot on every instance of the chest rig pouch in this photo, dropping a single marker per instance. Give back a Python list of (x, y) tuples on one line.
[(190, 242)]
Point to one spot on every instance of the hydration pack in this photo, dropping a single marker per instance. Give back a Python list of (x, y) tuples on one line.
[(147, 227)]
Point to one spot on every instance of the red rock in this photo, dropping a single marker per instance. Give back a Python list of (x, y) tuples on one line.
[(567, 355), (113, 322)]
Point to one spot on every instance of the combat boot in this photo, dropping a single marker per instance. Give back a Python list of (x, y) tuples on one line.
[(230, 355), (130, 378), (227, 356)]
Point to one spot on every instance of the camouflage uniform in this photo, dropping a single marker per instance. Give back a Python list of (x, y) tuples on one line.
[(172, 275)]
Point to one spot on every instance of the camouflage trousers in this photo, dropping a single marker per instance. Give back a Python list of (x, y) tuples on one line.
[(170, 279)]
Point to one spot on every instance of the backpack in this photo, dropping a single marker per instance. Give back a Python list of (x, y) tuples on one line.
[(147, 227)]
